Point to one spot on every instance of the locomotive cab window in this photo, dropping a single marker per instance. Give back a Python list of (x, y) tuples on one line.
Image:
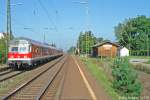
[(23, 49), (14, 49)]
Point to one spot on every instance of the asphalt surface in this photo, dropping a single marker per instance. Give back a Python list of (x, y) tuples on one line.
[(138, 60)]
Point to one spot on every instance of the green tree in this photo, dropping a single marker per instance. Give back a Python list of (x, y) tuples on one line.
[(71, 50), (85, 41), (3, 50), (134, 33), (80, 43), (4, 47)]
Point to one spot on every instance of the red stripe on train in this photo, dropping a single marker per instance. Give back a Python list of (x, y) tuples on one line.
[(18, 55)]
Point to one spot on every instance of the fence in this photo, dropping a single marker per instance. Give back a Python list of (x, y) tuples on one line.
[(139, 52)]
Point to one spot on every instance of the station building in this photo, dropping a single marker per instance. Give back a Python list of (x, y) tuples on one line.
[(105, 49)]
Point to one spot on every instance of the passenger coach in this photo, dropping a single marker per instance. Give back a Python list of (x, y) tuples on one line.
[(24, 52)]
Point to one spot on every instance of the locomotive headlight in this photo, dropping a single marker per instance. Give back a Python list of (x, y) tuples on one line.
[(25, 56)]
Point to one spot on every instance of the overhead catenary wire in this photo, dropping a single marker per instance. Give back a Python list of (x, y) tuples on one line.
[(47, 13), (86, 4), (2, 14), (22, 26)]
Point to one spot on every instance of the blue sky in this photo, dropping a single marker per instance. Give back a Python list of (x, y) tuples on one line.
[(69, 18)]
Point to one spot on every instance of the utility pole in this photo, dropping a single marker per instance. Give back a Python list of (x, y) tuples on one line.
[(78, 47), (86, 3), (9, 31), (44, 37), (87, 23)]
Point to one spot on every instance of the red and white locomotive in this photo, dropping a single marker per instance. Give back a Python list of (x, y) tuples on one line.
[(24, 52)]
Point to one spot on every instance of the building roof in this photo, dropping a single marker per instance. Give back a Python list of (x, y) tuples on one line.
[(102, 43), (124, 48)]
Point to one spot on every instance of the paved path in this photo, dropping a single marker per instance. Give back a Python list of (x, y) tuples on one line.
[(133, 60), (140, 61), (79, 85)]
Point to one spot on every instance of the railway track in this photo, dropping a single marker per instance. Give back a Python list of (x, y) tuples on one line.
[(4, 69), (36, 87), (9, 74), (6, 72), (54, 89)]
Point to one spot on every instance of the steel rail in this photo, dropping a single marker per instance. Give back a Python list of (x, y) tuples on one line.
[(49, 82), (6, 72), (31, 80), (59, 90), (4, 69), (9, 77)]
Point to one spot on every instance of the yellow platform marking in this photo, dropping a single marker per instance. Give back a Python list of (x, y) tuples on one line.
[(86, 82)]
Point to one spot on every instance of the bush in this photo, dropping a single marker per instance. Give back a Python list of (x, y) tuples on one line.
[(125, 78)]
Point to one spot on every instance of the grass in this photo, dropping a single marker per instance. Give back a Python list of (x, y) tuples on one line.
[(148, 62), (101, 77)]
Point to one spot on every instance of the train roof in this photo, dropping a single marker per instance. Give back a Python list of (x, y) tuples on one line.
[(30, 41)]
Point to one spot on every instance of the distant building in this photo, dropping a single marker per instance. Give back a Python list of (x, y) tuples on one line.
[(2, 35), (105, 49), (123, 52)]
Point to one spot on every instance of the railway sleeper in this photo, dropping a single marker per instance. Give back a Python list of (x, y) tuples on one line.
[(24, 97)]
